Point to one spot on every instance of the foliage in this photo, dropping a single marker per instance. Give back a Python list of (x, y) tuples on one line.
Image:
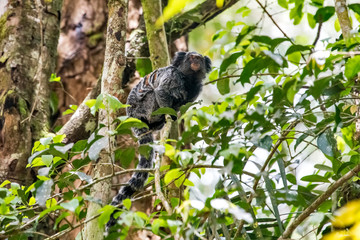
[(282, 107)]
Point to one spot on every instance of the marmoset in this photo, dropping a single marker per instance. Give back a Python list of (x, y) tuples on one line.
[(171, 86)]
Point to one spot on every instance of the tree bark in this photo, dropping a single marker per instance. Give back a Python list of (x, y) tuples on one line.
[(29, 32), (114, 65)]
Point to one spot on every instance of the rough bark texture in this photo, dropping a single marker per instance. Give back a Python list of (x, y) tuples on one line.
[(111, 82), (158, 47), (343, 16), (81, 51), (29, 32)]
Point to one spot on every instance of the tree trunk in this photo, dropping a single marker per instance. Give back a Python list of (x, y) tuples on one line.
[(29, 32), (114, 65)]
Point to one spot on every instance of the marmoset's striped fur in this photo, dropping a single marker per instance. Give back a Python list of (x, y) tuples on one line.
[(171, 86)]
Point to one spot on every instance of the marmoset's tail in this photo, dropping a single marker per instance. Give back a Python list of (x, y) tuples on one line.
[(138, 179)]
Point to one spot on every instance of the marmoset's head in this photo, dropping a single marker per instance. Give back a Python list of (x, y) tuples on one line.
[(192, 62)]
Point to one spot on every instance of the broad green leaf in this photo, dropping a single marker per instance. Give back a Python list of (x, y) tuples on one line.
[(266, 143), (127, 203), (244, 32), (43, 192), (230, 60), (291, 178), (172, 175), (96, 148), (355, 7), (314, 178), (71, 205), (323, 167), (143, 66), (223, 85), (105, 214), (125, 156), (311, 20), (297, 48), (64, 149), (324, 14), (283, 3), (327, 143), (165, 110), (352, 67), (219, 34), (131, 122), (47, 159), (114, 103)]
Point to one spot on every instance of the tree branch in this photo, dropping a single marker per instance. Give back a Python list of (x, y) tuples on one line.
[(343, 16), (78, 127), (183, 24), (158, 160), (323, 197)]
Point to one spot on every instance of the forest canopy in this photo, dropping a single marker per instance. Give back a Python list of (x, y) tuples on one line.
[(270, 149)]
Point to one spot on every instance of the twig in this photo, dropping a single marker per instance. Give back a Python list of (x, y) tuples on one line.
[(277, 25), (252, 194), (318, 33), (158, 159), (323, 197)]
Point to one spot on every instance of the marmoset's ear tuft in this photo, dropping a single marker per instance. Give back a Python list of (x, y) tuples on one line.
[(207, 64), (178, 59)]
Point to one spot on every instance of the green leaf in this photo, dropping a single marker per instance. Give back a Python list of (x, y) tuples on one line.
[(223, 86), (324, 14), (230, 60), (131, 122), (174, 202), (219, 34), (355, 7), (266, 143), (352, 67), (297, 48), (114, 103), (43, 192), (157, 223), (172, 175), (96, 148), (281, 164), (283, 4), (253, 91), (47, 159), (54, 78), (327, 143), (165, 110), (64, 149), (314, 178), (71, 206), (244, 32), (273, 200), (143, 66), (311, 20), (291, 178), (127, 203), (323, 167), (126, 156), (105, 214)]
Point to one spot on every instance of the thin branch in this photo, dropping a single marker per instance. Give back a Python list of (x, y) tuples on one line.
[(257, 180), (318, 33), (158, 160), (323, 197)]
